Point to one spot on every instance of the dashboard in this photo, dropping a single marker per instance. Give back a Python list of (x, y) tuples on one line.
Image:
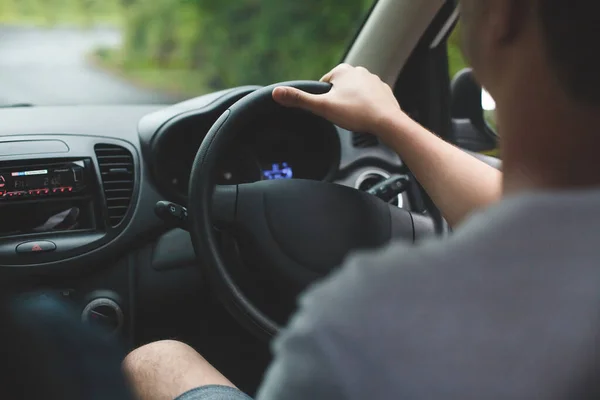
[(79, 184)]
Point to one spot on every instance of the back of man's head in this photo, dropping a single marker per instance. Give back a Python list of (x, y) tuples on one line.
[(572, 34), (565, 30), (540, 60)]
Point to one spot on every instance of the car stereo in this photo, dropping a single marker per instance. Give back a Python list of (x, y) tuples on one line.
[(42, 196), (61, 179)]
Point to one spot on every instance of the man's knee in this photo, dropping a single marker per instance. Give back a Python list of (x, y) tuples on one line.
[(158, 355), (169, 368)]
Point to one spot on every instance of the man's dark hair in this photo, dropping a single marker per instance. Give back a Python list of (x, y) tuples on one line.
[(572, 31)]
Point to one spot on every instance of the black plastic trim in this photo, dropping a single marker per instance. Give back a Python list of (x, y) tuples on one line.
[(152, 147), (150, 125), (174, 250)]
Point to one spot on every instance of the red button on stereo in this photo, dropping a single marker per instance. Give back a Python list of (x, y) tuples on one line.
[(41, 246)]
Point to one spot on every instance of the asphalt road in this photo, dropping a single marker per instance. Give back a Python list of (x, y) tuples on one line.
[(49, 67)]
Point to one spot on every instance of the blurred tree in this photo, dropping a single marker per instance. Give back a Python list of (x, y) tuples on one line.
[(86, 9), (51, 12), (8, 9), (244, 41)]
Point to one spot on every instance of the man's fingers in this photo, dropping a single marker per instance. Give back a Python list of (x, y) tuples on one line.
[(292, 97), (328, 77)]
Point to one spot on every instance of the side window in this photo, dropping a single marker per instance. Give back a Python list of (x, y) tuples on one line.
[(456, 60), (456, 63)]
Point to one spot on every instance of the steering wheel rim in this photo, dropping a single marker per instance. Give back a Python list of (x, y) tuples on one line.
[(306, 228), (201, 191)]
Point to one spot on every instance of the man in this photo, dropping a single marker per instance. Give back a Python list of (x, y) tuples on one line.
[(506, 308)]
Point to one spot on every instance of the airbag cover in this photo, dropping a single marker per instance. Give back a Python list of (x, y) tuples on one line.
[(316, 224)]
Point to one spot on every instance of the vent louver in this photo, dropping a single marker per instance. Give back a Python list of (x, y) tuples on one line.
[(364, 140), (117, 170)]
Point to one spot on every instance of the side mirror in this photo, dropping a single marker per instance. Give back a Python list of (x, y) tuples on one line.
[(473, 114), (489, 110)]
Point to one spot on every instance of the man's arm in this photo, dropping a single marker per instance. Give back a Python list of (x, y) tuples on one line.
[(359, 101), (457, 182)]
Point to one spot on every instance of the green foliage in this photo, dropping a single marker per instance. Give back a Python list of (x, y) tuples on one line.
[(243, 41), (51, 12), (456, 60)]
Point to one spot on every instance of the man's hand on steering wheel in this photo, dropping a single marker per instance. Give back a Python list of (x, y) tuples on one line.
[(358, 101)]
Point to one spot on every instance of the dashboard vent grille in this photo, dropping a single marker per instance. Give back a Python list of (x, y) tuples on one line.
[(117, 170), (364, 140)]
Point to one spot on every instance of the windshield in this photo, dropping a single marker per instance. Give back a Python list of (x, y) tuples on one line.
[(164, 51)]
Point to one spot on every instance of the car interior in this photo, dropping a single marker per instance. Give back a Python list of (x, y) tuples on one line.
[(203, 221)]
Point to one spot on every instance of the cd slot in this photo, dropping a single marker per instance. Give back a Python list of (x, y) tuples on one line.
[(30, 217)]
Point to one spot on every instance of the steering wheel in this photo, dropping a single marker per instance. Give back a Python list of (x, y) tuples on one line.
[(301, 229)]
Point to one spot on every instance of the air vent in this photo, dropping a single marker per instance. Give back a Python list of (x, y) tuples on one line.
[(364, 140), (116, 167)]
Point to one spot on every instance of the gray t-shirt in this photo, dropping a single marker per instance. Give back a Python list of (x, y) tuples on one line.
[(508, 307)]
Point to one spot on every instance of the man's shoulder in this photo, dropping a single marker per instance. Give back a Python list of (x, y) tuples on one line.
[(528, 236), (402, 268), (462, 311), (399, 273), (539, 245), (453, 315)]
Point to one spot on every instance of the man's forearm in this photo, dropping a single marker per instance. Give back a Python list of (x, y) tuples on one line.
[(457, 182)]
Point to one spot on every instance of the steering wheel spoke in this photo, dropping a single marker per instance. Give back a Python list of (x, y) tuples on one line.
[(224, 205)]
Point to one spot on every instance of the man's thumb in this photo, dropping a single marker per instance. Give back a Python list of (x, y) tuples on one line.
[(292, 97)]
